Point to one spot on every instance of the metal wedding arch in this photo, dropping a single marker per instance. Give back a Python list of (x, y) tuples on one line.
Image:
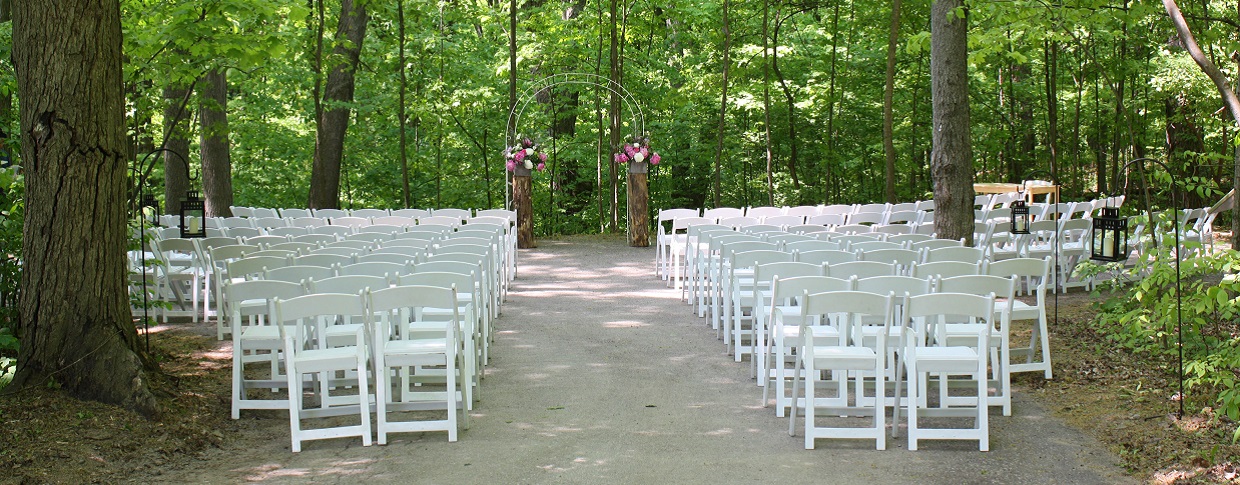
[(528, 95)]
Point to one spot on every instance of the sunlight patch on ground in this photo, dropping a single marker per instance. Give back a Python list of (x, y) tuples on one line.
[(625, 324)]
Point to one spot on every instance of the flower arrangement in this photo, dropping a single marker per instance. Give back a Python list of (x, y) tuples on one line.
[(524, 153), (637, 150)]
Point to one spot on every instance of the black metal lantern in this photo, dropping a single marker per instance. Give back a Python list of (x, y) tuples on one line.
[(151, 216), (1110, 237), (1020, 217), (193, 210)]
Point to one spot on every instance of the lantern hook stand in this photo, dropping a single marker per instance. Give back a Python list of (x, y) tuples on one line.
[(147, 200), (1175, 223)]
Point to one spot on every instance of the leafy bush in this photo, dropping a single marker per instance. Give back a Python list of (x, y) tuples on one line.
[(12, 216), (1141, 315)]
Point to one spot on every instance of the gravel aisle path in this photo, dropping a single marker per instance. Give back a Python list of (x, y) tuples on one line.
[(601, 375)]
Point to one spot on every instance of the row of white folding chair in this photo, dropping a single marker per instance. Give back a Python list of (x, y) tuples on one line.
[(245, 302), (385, 315), (240, 211), (841, 264), (844, 347)]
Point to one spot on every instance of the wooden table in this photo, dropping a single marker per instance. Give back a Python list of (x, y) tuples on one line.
[(1051, 191)]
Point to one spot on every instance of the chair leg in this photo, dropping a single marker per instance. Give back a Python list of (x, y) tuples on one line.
[(383, 386), (792, 405), (810, 411)]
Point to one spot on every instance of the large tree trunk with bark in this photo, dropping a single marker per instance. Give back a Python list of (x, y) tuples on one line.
[(176, 139), (638, 205), (75, 326), (216, 160), (723, 103), (337, 93), (951, 160)]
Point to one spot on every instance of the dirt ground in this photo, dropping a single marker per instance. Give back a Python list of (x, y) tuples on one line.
[(1120, 400)]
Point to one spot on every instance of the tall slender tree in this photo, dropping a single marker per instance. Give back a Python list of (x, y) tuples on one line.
[(333, 120), (216, 156), (75, 327)]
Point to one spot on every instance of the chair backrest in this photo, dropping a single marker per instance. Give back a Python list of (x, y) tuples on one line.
[(837, 209), (875, 208), (293, 213), (667, 215), (908, 239), (958, 253), (298, 316), (368, 213), (252, 268), (811, 245), (319, 239), (783, 239), (510, 215), (867, 246), (346, 221), (242, 232), (803, 210), (299, 273), (833, 219), (236, 292), (736, 222), (925, 227), (806, 228), (347, 284), (411, 213), (406, 243), (723, 213), (392, 308), (374, 268), (461, 215), (866, 218), (860, 269), (221, 254), (764, 273), (934, 243), (385, 230), (825, 256), (398, 221), (367, 237), (337, 231), (853, 229), (893, 229), (229, 222), (324, 260), (307, 222), (901, 257), (945, 269), (300, 247), (902, 217), (239, 211), (762, 212), (933, 307), (784, 220), (391, 257), (850, 308), (270, 222), (358, 245), (783, 289), (347, 252), (288, 231), (1002, 287), (278, 253), (264, 241), (330, 213), (900, 285), (1032, 271), (903, 206), (761, 229), (446, 221), (925, 205), (265, 212)]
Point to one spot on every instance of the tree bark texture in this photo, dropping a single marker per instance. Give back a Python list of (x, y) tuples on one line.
[(639, 206), (216, 160), (75, 327), (523, 202), (613, 116), (337, 93), (951, 159), (889, 143), (176, 138), (726, 64)]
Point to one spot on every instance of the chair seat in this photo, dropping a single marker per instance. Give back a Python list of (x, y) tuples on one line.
[(416, 346), (260, 332), (314, 360), (860, 358), (945, 359)]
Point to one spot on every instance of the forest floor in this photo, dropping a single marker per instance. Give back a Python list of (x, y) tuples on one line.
[(1123, 400)]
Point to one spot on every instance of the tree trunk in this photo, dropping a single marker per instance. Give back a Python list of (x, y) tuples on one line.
[(176, 139), (1224, 90), (1050, 52), (613, 115), (793, 144), (889, 142), (75, 326), (337, 94), (766, 101), (401, 117), (638, 205), (216, 161), (951, 159), (523, 202), (723, 102)]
